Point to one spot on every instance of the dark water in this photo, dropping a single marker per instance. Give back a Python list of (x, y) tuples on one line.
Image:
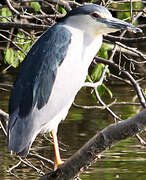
[(125, 161)]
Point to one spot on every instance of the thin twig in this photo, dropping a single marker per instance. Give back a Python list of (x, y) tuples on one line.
[(4, 115), (31, 165), (12, 168), (133, 50), (1, 125), (140, 140), (135, 84), (15, 11), (12, 43), (123, 39), (95, 85), (109, 110), (39, 157)]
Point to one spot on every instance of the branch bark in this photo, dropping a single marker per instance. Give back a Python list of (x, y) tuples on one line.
[(17, 25), (99, 143), (123, 39)]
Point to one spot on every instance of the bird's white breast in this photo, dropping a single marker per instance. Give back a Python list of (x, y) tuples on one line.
[(84, 47), (70, 77)]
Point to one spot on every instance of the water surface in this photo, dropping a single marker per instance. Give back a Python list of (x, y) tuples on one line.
[(125, 161)]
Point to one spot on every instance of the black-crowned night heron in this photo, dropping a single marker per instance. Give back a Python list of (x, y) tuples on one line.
[(53, 72)]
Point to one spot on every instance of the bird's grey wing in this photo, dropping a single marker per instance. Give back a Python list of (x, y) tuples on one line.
[(37, 73), (35, 81)]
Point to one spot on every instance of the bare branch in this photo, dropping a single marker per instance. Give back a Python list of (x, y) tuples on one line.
[(31, 155), (123, 39), (99, 143), (15, 11), (133, 50), (95, 86), (23, 26), (132, 80), (4, 115)]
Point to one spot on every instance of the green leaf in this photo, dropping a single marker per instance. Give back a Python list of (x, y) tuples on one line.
[(8, 13), (88, 78), (36, 6), (103, 52), (94, 96), (19, 37), (23, 42), (61, 9), (108, 90), (19, 56), (9, 57), (5, 13), (14, 58), (102, 89), (97, 71)]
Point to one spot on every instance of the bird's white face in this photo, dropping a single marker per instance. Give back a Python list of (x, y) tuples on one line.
[(104, 23), (89, 24), (97, 23)]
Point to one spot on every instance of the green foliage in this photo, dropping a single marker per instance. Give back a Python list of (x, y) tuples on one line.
[(95, 76), (22, 41), (36, 6), (103, 52), (9, 57), (61, 10), (97, 72), (5, 13), (14, 58), (102, 89)]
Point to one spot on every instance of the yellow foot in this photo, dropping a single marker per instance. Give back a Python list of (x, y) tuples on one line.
[(57, 164)]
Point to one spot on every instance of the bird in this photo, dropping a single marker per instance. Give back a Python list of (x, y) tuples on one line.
[(53, 72)]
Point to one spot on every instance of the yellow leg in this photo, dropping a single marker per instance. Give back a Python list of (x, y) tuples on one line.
[(56, 149)]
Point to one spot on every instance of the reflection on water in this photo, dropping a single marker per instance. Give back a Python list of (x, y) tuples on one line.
[(126, 160)]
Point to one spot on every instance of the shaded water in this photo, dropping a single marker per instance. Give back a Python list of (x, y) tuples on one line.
[(125, 161)]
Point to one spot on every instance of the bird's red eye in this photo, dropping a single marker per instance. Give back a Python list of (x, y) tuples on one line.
[(95, 15)]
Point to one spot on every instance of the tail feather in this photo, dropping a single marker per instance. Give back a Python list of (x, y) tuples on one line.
[(21, 135)]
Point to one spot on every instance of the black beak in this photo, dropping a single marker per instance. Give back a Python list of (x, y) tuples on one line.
[(119, 24)]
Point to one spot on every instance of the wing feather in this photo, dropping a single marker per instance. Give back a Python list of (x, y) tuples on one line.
[(38, 71), (34, 85)]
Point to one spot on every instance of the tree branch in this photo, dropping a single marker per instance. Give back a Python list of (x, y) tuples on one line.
[(30, 26), (128, 75), (123, 39), (99, 143)]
